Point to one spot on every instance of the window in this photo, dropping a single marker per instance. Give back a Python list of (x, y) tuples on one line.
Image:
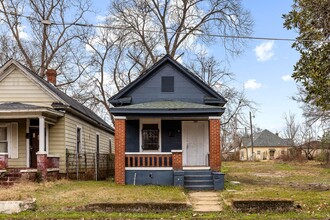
[(78, 145), (3, 140), (150, 137), (258, 152), (168, 84), (97, 143)]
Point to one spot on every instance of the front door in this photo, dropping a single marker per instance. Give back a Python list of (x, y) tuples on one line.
[(34, 146), (195, 143)]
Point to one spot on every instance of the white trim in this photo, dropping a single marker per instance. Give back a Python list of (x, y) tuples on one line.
[(53, 155), (176, 151), (120, 117), (214, 117), (27, 142), (8, 138), (148, 168), (41, 110), (3, 154), (42, 134), (148, 152), (196, 168), (53, 169), (150, 121), (3, 171), (29, 171), (47, 137)]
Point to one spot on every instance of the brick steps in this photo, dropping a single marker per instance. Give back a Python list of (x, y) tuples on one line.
[(10, 178)]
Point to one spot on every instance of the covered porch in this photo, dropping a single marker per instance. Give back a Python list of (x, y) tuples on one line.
[(25, 139), (162, 150)]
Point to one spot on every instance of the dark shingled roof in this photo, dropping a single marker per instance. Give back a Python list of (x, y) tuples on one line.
[(167, 107), (70, 101), (265, 139), (18, 106)]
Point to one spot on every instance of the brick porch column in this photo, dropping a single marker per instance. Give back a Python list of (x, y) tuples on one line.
[(215, 153), (42, 163), (177, 159), (120, 146), (3, 161)]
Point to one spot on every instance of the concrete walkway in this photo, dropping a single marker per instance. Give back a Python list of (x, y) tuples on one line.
[(205, 201)]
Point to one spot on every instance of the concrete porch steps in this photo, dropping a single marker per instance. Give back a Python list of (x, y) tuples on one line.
[(198, 180)]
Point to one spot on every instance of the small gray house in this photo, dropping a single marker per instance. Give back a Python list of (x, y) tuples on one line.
[(167, 125)]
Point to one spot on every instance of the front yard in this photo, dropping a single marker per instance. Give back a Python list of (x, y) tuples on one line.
[(308, 184)]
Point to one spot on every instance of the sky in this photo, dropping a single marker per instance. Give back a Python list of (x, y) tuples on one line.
[(264, 69)]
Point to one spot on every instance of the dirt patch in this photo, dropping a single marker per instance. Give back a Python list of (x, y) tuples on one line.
[(263, 205), (134, 207)]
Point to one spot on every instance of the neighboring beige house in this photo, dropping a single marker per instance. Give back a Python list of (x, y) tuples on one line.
[(266, 146), (41, 127)]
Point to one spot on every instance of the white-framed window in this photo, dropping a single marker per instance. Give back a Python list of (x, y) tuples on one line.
[(78, 139), (4, 139), (9, 139), (150, 135)]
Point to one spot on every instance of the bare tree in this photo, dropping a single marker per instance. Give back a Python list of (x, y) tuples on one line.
[(214, 74), (307, 139), (291, 128), (159, 27), (42, 36)]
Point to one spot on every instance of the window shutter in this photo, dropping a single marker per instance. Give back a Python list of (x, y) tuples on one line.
[(14, 141)]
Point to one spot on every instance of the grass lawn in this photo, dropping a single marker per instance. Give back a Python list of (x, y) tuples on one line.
[(305, 183)]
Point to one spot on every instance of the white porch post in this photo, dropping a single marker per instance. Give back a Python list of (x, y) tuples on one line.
[(41, 135)]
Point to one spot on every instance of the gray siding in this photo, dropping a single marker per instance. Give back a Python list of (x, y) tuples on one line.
[(184, 89)]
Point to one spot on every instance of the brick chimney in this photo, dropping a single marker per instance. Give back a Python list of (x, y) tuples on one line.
[(51, 76)]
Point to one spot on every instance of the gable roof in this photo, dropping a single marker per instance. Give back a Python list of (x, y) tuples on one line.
[(65, 102), (120, 98), (265, 139)]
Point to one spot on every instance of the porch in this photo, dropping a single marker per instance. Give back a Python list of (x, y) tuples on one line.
[(168, 151), (25, 132)]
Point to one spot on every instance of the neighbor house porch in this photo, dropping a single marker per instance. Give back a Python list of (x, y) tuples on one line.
[(25, 133)]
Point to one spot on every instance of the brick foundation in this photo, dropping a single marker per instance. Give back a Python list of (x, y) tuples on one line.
[(177, 160), (3, 161), (120, 145), (215, 161), (42, 163)]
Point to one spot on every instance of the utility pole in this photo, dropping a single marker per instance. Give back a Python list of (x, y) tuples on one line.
[(251, 136)]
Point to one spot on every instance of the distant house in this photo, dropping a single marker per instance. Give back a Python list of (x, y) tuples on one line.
[(167, 125), (43, 129), (312, 149), (266, 146)]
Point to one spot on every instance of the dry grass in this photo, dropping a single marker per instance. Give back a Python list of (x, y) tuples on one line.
[(64, 194), (308, 184)]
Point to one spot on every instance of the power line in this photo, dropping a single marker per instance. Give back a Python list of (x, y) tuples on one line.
[(46, 22)]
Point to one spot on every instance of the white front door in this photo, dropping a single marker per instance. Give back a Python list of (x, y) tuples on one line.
[(195, 142)]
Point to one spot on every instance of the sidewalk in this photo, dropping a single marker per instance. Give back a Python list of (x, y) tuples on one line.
[(206, 201)]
